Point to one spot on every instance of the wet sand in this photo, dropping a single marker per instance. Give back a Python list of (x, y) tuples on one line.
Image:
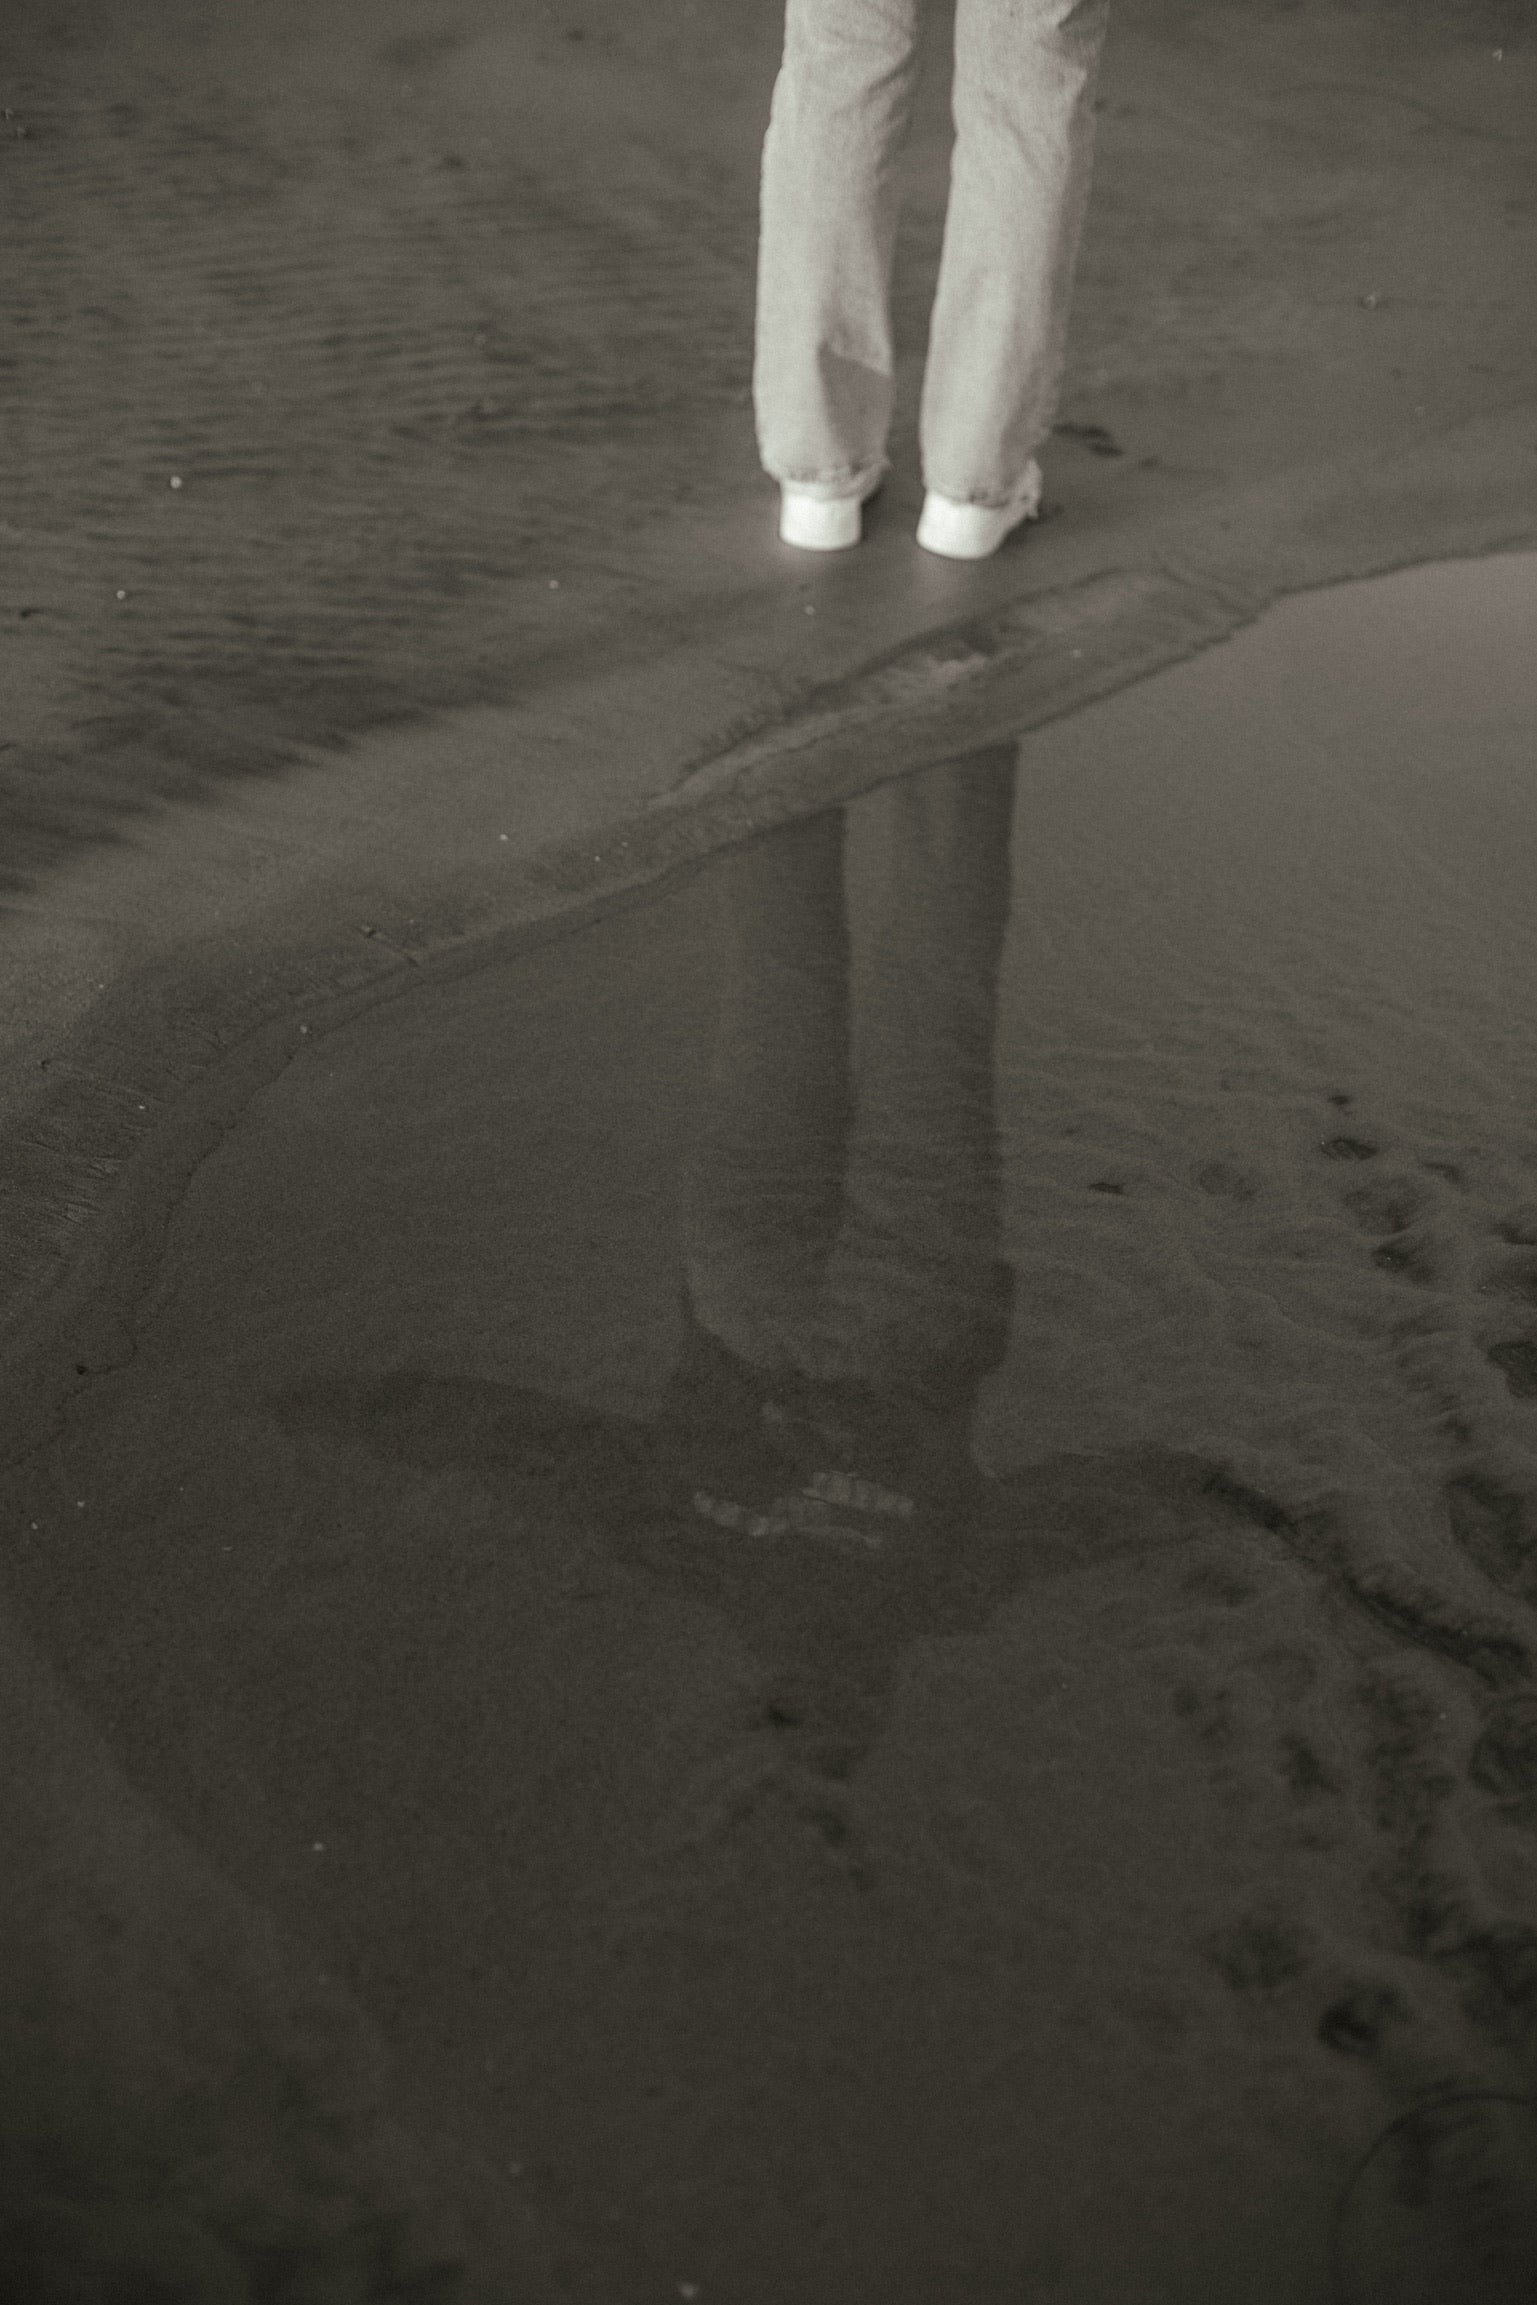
[(1099, 1892), (460, 1876)]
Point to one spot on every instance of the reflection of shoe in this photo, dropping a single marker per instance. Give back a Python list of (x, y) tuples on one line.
[(894, 1457), (714, 1456), (821, 523), (727, 1453), (831, 1508), (972, 531)]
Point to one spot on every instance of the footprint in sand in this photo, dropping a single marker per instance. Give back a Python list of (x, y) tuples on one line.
[(1387, 1209), (1504, 1760), (1355, 2023), (1094, 437), (1516, 1280), (1227, 1182), (1516, 1360), (1443, 2208), (1406, 1261), (1496, 1528), (1258, 1954)]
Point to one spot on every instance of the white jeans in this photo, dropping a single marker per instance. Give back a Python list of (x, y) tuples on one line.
[(1023, 101)]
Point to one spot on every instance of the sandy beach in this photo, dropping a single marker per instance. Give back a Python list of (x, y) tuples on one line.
[(468, 894)]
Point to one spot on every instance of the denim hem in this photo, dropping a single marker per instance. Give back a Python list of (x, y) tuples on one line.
[(834, 487), (1008, 503)]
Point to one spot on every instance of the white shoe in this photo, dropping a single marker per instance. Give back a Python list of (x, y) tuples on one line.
[(821, 523), (972, 531)]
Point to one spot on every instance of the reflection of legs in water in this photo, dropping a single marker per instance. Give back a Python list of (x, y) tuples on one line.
[(872, 1302), (915, 1300), (763, 1194)]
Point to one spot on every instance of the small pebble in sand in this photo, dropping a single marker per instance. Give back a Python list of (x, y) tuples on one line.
[(122, 595), (1371, 302), (176, 480)]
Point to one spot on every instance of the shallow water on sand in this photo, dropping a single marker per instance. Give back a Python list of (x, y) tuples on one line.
[(883, 1512)]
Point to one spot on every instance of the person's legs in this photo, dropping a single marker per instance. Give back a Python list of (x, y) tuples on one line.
[(1025, 74), (822, 368)]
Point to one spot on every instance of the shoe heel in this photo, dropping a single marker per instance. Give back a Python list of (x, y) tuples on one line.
[(973, 531), (819, 523)]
